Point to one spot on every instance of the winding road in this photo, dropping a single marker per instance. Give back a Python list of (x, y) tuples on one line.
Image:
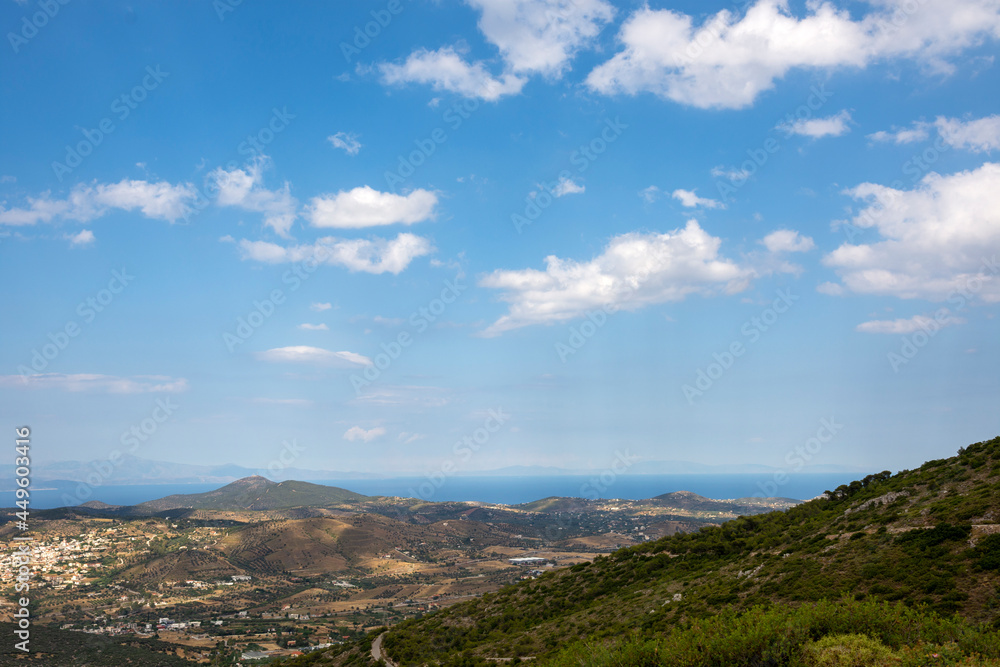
[(377, 653)]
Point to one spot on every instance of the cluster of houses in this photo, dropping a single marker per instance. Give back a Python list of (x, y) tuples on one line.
[(60, 563)]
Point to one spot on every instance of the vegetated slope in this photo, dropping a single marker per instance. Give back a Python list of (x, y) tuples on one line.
[(181, 565), (693, 502), (307, 546), (927, 536), (322, 545), (53, 647), (254, 493), (556, 504)]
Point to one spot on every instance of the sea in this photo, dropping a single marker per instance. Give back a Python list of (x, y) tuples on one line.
[(502, 490)]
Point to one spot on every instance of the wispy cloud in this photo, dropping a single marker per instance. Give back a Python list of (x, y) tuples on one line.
[(346, 141), (160, 200), (910, 324), (356, 433), (816, 128), (313, 355), (375, 255), (88, 382)]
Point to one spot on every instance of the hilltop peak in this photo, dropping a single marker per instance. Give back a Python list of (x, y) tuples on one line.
[(253, 480)]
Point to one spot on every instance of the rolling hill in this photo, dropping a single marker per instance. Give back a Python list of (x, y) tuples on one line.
[(255, 493), (927, 538)]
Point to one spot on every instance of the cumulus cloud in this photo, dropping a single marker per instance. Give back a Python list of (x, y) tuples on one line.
[(356, 433), (304, 354), (89, 382), (534, 37), (375, 255), (567, 186), (367, 207), (84, 238), (445, 69), (346, 141), (816, 128), (244, 189), (979, 136), (729, 59), (634, 270), (689, 199), (787, 240), (541, 36), (941, 236), (910, 324), (161, 200)]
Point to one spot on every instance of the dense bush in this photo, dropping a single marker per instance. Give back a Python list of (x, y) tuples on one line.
[(846, 633)]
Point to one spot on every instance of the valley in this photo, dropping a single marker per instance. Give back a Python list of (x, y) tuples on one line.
[(276, 567)]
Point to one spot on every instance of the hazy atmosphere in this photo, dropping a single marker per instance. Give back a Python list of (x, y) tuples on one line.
[(382, 237)]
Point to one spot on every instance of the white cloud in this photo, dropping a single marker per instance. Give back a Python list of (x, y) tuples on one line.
[(729, 59), (831, 126), (650, 194), (938, 237), (159, 200), (375, 255), (734, 175), (347, 141), (567, 186), (918, 132), (634, 270), (978, 135), (320, 307), (108, 384), (541, 36), (787, 240), (313, 355), (689, 199), (356, 433), (313, 327), (533, 37), (84, 238), (367, 207), (445, 69), (244, 189), (911, 324)]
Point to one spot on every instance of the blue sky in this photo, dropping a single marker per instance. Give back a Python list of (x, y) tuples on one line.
[(688, 231)]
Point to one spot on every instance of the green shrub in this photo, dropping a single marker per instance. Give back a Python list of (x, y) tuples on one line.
[(848, 651)]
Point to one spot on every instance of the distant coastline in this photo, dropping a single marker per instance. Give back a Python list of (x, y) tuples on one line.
[(506, 490)]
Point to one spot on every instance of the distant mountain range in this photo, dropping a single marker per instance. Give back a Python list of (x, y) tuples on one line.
[(660, 468), (135, 470)]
